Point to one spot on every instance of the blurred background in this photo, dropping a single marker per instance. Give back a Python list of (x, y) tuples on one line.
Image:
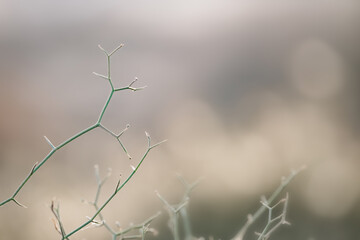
[(244, 91)]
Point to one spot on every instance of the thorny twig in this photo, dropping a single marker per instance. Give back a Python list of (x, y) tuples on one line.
[(121, 233), (117, 189), (98, 124), (91, 220)]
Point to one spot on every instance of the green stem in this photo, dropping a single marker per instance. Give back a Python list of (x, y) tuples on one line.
[(76, 136), (105, 106), (111, 196), (6, 201), (54, 149), (36, 167)]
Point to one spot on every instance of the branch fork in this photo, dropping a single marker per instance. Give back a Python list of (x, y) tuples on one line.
[(98, 124), (144, 227)]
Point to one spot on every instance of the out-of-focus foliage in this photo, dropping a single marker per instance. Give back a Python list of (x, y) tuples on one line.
[(243, 90)]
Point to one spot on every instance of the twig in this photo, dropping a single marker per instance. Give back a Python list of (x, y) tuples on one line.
[(143, 227), (92, 127), (58, 226), (275, 221), (118, 188), (253, 217), (180, 208)]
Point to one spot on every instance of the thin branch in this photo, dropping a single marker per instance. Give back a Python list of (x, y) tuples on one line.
[(157, 144), (98, 123), (47, 157), (120, 46), (59, 226), (135, 79), (117, 137), (100, 75), (188, 186), (146, 223), (130, 87), (173, 213), (118, 188), (18, 203), (102, 49), (180, 208), (166, 203), (143, 227), (278, 221), (253, 217), (49, 142), (123, 131)]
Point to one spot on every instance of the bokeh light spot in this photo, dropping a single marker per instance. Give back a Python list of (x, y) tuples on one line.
[(316, 69), (331, 190)]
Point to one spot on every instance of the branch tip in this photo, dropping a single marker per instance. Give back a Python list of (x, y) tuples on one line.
[(135, 79), (49, 142), (120, 46), (117, 185), (18, 203), (33, 168), (55, 225), (286, 223), (137, 89), (123, 131), (100, 75), (157, 144), (102, 49), (263, 200)]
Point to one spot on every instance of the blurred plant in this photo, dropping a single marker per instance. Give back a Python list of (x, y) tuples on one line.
[(269, 228), (178, 213), (180, 209), (127, 233), (276, 222)]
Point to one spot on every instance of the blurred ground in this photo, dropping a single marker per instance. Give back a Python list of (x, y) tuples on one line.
[(245, 91)]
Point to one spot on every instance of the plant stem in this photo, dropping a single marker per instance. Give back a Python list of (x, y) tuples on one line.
[(36, 167), (111, 196), (252, 218)]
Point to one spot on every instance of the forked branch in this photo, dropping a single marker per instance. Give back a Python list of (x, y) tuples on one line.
[(180, 209), (274, 223), (253, 217), (98, 124), (119, 186)]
